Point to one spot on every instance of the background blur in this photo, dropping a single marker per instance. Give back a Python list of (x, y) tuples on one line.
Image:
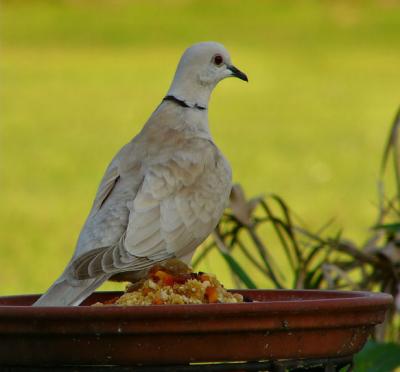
[(79, 79)]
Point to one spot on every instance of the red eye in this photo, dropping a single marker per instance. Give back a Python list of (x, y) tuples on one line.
[(218, 60)]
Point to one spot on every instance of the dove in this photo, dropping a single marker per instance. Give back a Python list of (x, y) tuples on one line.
[(162, 194)]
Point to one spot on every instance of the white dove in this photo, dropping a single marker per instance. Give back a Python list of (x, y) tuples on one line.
[(163, 193)]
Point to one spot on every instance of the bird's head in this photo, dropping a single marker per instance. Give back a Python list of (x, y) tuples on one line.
[(200, 69)]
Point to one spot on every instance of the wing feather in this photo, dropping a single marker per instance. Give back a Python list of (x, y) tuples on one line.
[(172, 212), (142, 235), (106, 187)]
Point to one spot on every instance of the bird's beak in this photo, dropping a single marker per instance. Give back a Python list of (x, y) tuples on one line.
[(237, 73)]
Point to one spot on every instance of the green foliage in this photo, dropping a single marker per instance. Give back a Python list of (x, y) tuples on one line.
[(238, 270), (290, 255), (388, 227), (382, 357)]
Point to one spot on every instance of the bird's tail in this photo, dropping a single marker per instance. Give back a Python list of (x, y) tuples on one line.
[(63, 293)]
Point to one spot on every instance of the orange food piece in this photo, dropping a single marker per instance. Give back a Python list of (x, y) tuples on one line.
[(204, 278), (212, 294), (158, 301), (166, 278), (146, 291), (169, 280), (111, 301)]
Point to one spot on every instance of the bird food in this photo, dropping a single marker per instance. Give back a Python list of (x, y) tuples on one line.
[(164, 287)]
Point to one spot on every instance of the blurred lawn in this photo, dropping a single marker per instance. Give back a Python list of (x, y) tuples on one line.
[(79, 78)]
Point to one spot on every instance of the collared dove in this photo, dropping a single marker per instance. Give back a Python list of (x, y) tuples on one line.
[(162, 194)]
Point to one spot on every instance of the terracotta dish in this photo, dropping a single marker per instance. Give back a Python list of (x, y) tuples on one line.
[(281, 324)]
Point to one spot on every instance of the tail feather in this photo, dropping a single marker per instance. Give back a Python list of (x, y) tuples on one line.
[(62, 293)]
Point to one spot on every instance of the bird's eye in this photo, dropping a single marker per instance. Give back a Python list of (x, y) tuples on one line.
[(218, 60)]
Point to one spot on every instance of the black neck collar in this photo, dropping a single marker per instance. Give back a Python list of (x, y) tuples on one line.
[(183, 103)]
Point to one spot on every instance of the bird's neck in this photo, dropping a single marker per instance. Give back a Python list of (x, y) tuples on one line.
[(176, 115), (183, 103), (192, 94)]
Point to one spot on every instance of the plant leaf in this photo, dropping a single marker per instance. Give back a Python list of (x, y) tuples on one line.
[(238, 270), (389, 227), (382, 357)]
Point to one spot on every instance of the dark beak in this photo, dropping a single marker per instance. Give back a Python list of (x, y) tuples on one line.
[(237, 73)]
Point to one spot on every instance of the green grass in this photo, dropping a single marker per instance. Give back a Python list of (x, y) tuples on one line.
[(79, 78)]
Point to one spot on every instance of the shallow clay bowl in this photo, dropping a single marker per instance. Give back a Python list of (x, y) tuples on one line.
[(281, 324)]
